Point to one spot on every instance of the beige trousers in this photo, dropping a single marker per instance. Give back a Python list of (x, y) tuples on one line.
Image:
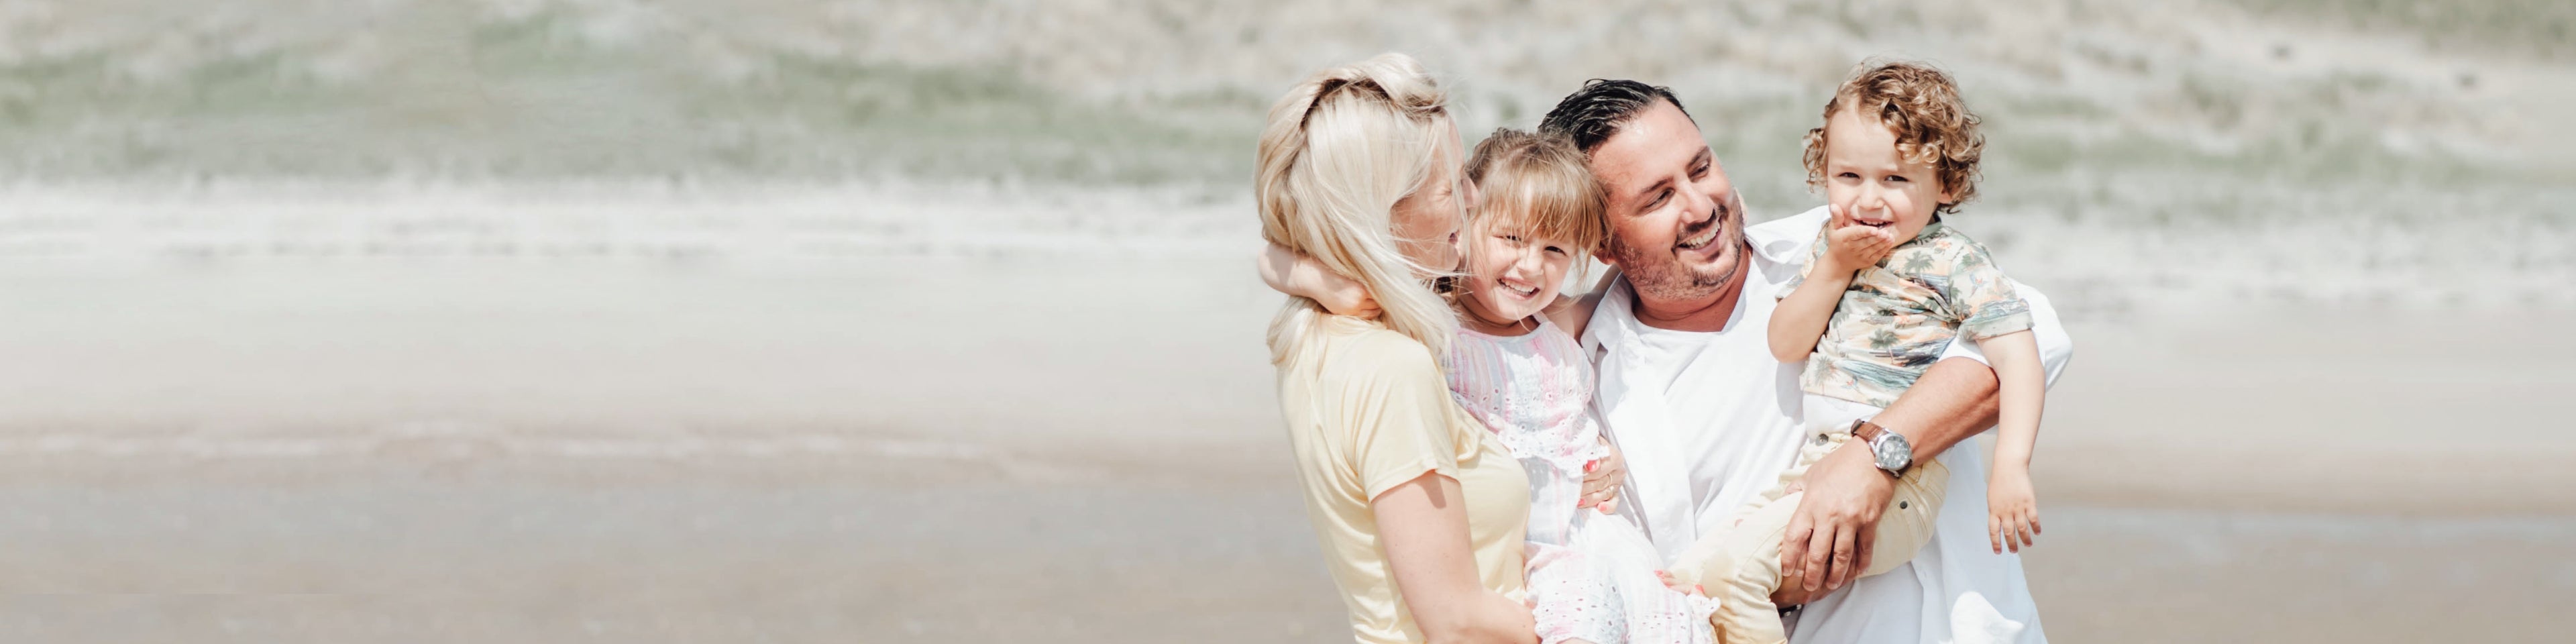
[(1739, 565)]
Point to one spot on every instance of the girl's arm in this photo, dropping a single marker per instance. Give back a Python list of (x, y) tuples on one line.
[(1572, 312), (1288, 272), (2022, 390), (1422, 523)]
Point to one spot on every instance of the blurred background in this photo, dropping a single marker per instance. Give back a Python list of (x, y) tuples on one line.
[(788, 320)]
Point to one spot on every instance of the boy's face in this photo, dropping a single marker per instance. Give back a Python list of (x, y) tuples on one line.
[(1513, 274), (1874, 185)]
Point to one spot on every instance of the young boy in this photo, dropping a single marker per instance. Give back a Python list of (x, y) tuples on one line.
[(1889, 286)]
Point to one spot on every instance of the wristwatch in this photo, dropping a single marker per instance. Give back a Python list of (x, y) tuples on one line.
[(1890, 449)]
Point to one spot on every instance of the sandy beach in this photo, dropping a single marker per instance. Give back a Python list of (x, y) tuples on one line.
[(1071, 448)]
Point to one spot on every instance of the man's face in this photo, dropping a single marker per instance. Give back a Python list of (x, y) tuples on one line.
[(1674, 230)]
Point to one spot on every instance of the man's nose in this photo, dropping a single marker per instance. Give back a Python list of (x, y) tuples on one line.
[(1701, 207)]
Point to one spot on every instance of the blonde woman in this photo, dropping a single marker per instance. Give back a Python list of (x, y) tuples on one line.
[(1420, 511)]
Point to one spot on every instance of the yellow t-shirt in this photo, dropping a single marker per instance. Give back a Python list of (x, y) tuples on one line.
[(1371, 411)]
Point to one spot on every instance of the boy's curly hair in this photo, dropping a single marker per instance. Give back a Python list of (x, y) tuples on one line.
[(1921, 105)]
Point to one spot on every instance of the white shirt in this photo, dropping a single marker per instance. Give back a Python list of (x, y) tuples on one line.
[(1707, 421)]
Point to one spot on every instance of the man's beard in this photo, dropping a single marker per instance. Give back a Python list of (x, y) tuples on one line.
[(1658, 274)]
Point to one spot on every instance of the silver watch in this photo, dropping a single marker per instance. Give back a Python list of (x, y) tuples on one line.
[(1890, 449)]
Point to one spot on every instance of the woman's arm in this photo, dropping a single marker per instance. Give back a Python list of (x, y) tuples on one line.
[(1422, 523), (1288, 272)]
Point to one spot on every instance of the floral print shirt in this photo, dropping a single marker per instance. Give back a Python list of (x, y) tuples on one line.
[(1898, 316)]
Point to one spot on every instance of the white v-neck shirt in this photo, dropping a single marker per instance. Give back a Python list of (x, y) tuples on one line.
[(1707, 421)]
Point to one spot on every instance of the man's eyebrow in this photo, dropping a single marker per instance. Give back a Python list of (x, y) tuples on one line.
[(1651, 188)]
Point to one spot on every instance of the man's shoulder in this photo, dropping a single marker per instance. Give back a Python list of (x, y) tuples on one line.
[(1787, 239)]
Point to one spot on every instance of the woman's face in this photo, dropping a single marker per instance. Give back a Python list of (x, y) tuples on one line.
[(1426, 223)]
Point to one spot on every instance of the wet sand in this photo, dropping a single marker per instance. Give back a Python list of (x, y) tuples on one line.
[(1073, 448)]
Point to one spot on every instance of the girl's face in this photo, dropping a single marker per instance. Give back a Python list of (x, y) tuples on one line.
[(1426, 223), (1865, 176), (1513, 274)]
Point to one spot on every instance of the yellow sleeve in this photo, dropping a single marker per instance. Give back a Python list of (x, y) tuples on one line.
[(1395, 414)]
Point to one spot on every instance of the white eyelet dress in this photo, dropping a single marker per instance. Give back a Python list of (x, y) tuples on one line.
[(1591, 575)]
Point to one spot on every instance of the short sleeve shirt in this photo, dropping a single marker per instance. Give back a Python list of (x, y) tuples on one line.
[(1367, 410), (1899, 316)]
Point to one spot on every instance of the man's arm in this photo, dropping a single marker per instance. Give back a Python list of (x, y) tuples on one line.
[(1953, 400), (1829, 538)]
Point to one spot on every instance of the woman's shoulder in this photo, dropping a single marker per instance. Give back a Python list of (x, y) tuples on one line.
[(1371, 352)]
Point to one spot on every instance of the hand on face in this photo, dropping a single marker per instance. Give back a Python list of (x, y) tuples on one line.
[(1853, 246)]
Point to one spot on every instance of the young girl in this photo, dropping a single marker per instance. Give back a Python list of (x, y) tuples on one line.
[(1516, 367)]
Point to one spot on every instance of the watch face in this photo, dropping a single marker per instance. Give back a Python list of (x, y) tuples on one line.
[(1892, 452)]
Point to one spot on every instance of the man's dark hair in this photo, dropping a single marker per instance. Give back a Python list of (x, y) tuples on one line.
[(1593, 114)]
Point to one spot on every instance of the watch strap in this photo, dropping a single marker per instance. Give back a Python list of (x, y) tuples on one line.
[(1866, 431)]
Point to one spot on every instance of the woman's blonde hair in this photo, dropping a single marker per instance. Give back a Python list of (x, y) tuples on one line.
[(1340, 151), (1537, 185)]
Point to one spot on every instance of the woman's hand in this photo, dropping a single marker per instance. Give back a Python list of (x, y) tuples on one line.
[(1601, 479), (1288, 272), (2012, 510)]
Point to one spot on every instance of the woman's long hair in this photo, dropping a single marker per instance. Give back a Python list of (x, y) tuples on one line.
[(1338, 154)]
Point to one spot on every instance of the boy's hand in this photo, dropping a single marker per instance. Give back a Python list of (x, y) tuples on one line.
[(1851, 247), (2012, 511)]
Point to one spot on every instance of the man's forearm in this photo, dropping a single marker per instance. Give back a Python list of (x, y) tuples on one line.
[(1953, 400)]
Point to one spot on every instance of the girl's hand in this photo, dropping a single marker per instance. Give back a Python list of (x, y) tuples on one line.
[(1288, 272), (1343, 296), (1851, 247), (2012, 511)]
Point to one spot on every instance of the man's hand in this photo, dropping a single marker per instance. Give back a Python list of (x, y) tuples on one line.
[(1601, 479), (1830, 535)]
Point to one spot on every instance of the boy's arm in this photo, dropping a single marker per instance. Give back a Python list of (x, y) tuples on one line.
[(2022, 390), (1841, 250), (1288, 272), (1800, 320)]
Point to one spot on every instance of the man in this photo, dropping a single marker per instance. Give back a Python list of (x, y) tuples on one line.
[(1707, 419)]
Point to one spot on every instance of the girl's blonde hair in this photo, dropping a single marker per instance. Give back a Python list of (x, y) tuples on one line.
[(1539, 186), (1340, 151)]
